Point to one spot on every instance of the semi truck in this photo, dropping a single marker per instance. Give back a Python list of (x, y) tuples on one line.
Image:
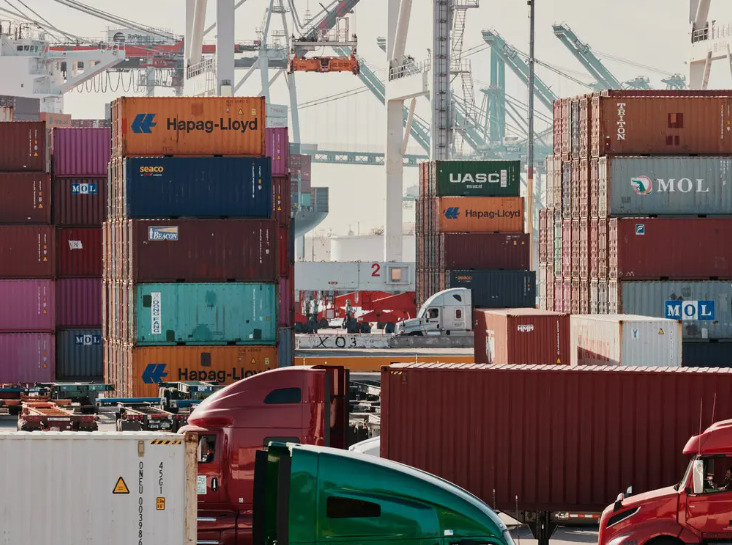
[(697, 509), (448, 312)]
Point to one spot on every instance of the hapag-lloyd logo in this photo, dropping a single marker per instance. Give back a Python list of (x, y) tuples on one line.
[(453, 213)]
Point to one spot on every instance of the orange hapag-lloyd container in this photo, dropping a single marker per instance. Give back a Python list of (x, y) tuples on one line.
[(188, 126), (480, 214), (136, 371)]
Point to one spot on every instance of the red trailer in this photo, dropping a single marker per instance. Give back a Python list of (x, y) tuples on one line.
[(49, 415)]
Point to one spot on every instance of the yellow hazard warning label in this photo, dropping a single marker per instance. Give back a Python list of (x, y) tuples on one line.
[(120, 487), (160, 504), (559, 360), (660, 331)]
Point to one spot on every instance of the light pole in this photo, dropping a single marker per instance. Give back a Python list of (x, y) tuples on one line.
[(530, 158)]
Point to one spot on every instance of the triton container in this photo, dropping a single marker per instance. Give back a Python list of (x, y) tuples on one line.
[(79, 355), (233, 313), (200, 187), (479, 214), (81, 153), (23, 147), (27, 251), (188, 126), (27, 358), (521, 335), (495, 289), (625, 339), (26, 197), (535, 448)]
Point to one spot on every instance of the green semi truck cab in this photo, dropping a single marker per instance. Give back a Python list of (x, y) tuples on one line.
[(316, 495)]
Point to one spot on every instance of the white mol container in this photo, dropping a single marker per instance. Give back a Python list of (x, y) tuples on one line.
[(112, 488), (624, 339)]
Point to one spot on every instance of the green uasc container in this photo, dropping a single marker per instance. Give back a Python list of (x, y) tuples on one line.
[(475, 178), (207, 314)]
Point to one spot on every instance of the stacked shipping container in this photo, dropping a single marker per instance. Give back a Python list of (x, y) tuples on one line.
[(638, 209), (469, 226), (27, 264), (198, 264)]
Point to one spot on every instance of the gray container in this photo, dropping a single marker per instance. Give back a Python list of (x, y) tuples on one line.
[(285, 347), (79, 354), (665, 186), (704, 308)]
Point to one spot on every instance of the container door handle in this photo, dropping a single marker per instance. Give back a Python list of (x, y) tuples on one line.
[(214, 484)]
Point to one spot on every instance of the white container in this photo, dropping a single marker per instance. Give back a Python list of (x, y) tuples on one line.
[(112, 488), (624, 339)]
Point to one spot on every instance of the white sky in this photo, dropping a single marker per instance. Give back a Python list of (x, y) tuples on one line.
[(648, 32)]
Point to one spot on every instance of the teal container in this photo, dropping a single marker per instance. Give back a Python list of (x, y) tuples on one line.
[(475, 179), (207, 314), (304, 199)]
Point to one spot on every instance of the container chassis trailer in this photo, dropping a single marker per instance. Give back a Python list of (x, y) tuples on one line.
[(52, 416)]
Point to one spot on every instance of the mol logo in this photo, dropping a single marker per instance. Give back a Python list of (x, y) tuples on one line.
[(84, 188), (162, 233), (87, 340), (154, 373), (642, 185), (689, 310), (452, 213), (143, 123)]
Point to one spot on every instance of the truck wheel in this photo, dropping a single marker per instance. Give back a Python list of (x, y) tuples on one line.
[(389, 328), (365, 327), (323, 324)]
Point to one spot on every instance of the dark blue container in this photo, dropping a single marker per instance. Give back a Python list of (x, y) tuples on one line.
[(706, 354), (198, 187), (496, 288)]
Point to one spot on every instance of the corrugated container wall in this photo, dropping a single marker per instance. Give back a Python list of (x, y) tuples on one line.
[(79, 355), (79, 202), (28, 305), (189, 126), (234, 313), (474, 178), (521, 336), (27, 358), (495, 288), (278, 149), (285, 347), (625, 339), (78, 302), (205, 187), (81, 153), (707, 354), (27, 251), (202, 250), (479, 214), (534, 429), (482, 251), (26, 197), (79, 252), (281, 200), (23, 147)]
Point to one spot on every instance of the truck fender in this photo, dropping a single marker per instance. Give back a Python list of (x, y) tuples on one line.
[(653, 530)]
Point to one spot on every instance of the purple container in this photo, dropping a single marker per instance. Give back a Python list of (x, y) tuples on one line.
[(27, 358), (81, 153), (278, 148), (27, 305), (79, 303)]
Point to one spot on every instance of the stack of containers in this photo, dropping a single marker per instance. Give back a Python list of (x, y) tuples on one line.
[(80, 158), (469, 226), (27, 260), (301, 170), (196, 246), (652, 168)]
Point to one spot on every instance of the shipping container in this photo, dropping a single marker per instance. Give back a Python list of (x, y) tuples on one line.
[(704, 308), (673, 249), (233, 313), (27, 358), (552, 438), (474, 179), (663, 125), (27, 251), (278, 149), (479, 214), (625, 339), (112, 488), (665, 186), (79, 355), (81, 153), (79, 202), (286, 299), (495, 288), (286, 347), (23, 146), (188, 126), (136, 371), (281, 200), (706, 354), (79, 253), (26, 197), (28, 305), (481, 251), (521, 336), (205, 187), (202, 250), (78, 302)]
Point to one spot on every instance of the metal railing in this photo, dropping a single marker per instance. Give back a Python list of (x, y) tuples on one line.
[(408, 67), (206, 65), (711, 32)]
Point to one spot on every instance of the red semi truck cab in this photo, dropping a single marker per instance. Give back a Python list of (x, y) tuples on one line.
[(306, 405), (698, 509)]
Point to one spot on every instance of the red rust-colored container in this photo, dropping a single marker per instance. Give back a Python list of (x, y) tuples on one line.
[(25, 197), (567, 296), (277, 147), (79, 202), (281, 200), (23, 146), (575, 304), (286, 294), (81, 153), (575, 249), (558, 295), (27, 251), (594, 181), (482, 251), (594, 250), (674, 249), (567, 248), (584, 248), (666, 125), (27, 358), (584, 188), (27, 305), (602, 249), (575, 189), (534, 421), (79, 253), (78, 303), (201, 250), (521, 336)]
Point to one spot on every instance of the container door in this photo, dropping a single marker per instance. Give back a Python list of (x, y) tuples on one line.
[(216, 519)]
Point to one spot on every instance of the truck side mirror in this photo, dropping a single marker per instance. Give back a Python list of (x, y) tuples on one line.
[(629, 492), (697, 472)]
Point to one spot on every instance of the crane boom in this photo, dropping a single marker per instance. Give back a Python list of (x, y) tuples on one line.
[(583, 53)]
